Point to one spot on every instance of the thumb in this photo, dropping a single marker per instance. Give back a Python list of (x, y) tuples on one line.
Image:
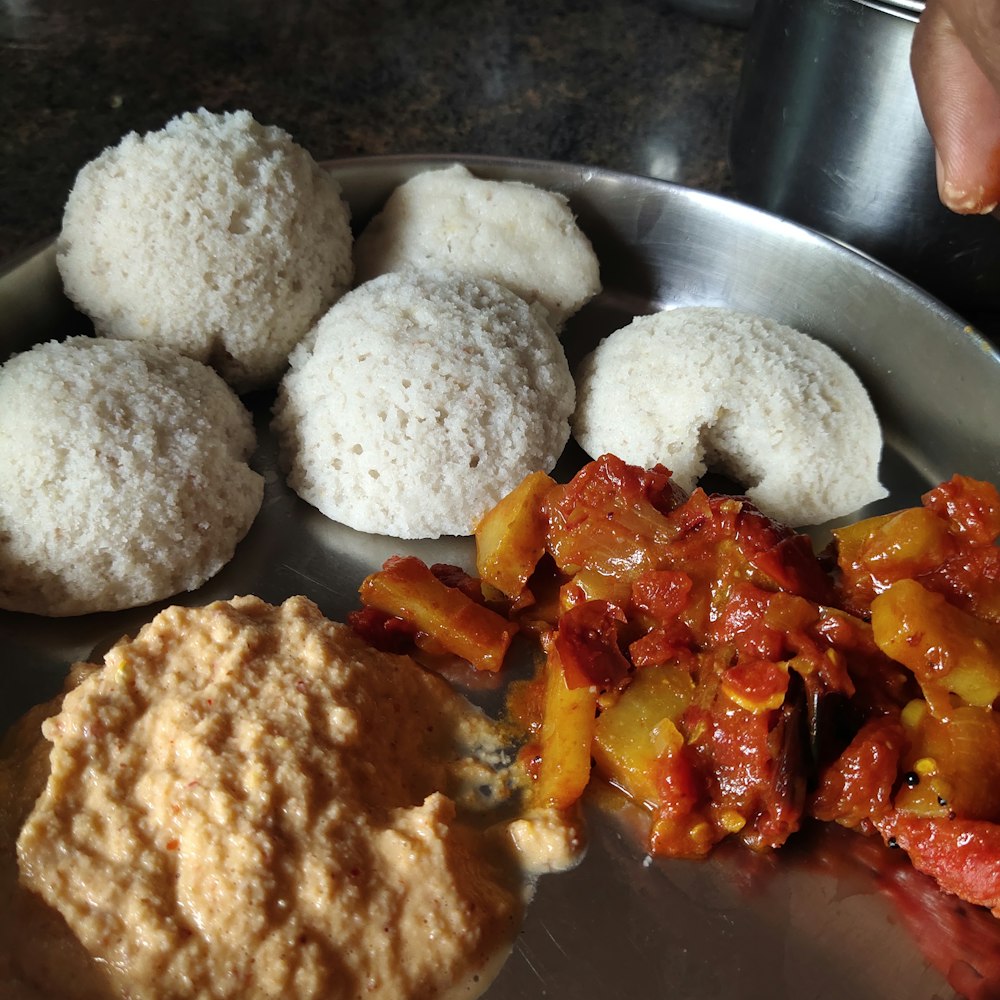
[(961, 107)]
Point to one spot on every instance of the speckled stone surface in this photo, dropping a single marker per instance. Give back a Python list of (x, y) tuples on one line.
[(632, 86)]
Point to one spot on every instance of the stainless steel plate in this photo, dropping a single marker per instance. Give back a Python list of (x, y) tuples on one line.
[(832, 917)]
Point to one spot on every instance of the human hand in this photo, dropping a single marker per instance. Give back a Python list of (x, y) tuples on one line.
[(956, 69)]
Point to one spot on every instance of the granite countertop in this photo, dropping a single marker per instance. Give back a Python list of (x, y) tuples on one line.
[(632, 86)]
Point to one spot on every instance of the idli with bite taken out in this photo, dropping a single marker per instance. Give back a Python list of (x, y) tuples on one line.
[(704, 387)]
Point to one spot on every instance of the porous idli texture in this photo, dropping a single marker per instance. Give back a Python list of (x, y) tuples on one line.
[(703, 387), (419, 401), (216, 235), (125, 476), (521, 236)]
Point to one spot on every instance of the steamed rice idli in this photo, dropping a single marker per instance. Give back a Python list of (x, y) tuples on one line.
[(125, 476), (521, 236), (215, 235), (419, 401), (772, 407)]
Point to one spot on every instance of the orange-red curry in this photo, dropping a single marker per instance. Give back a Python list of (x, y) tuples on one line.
[(710, 664)]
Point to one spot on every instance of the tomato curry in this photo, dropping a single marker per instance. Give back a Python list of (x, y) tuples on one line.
[(727, 678)]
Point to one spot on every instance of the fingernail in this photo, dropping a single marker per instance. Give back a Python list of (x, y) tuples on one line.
[(961, 199), (952, 197)]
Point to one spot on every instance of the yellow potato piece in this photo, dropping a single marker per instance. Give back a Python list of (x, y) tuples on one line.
[(510, 539)]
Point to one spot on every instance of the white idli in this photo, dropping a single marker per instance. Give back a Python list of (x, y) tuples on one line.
[(521, 236), (772, 407), (215, 235), (125, 477), (419, 401)]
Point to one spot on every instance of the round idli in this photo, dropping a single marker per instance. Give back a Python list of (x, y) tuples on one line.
[(125, 476), (420, 400), (215, 235), (703, 387), (521, 236)]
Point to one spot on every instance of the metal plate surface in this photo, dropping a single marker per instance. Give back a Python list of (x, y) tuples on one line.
[(829, 917)]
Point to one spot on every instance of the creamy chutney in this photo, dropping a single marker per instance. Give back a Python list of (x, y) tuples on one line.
[(249, 801)]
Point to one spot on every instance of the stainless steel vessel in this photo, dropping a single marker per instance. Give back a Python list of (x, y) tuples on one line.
[(827, 131)]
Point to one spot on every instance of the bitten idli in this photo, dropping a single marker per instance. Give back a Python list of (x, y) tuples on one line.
[(419, 400), (518, 235), (215, 235), (125, 476), (704, 387)]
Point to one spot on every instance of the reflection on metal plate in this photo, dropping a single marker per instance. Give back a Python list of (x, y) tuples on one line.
[(830, 916)]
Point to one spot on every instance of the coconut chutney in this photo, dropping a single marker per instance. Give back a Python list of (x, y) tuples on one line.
[(249, 801)]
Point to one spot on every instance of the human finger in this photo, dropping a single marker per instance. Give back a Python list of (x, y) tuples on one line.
[(961, 106), (977, 23)]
